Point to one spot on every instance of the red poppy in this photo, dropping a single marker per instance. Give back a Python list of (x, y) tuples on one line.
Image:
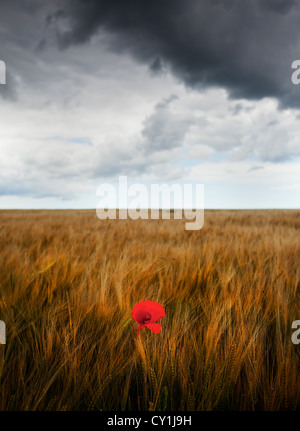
[(146, 313)]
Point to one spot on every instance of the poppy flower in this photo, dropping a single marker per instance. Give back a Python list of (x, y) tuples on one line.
[(146, 313)]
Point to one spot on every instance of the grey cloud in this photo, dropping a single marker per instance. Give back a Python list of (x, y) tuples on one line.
[(163, 129), (157, 66), (255, 168), (8, 91), (272, 123), (279, 6), (245, 46)]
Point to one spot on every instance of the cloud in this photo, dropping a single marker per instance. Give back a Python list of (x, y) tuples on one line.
[(8, 91), (244, 46), (146, 89), (164, 129), (279, 6)]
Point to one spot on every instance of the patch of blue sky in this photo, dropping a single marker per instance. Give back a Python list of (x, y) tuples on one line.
[(188, 162), (80, 140)]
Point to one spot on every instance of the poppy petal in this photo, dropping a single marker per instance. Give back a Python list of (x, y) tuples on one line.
[(139, 313), (145, 308), (154, 327)]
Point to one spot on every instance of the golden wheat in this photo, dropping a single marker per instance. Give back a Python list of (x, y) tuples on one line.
[(68, 283)]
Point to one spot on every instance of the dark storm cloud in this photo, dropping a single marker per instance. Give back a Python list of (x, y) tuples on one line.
[(22, 24), (244, 46), (280, 6)]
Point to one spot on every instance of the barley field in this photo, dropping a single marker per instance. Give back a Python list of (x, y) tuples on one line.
[(68, 283)]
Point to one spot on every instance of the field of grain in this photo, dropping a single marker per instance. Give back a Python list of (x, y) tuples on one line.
[(68, 283)]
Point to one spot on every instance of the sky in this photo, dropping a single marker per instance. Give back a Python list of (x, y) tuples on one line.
[(174, 91)]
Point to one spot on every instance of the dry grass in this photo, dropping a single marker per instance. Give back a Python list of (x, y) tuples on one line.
[(68, 282)]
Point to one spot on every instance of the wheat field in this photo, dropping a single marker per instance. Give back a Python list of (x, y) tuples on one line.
[(68, 283)]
